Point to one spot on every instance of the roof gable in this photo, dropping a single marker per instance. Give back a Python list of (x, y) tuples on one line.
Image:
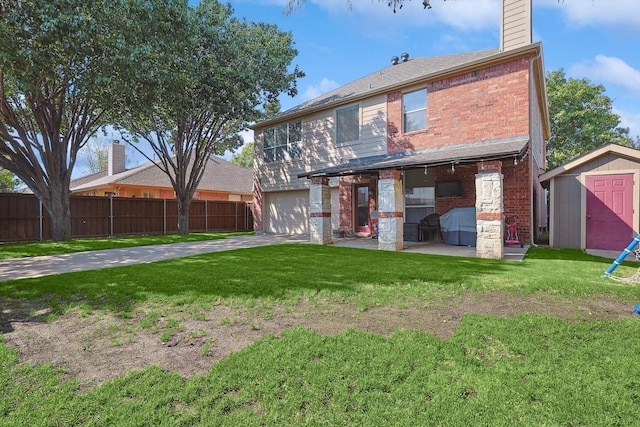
[(219, 175), (585, 158), (403, 74)]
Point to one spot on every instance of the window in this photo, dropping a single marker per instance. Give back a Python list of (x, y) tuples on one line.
[(283, 142), (419, 197), (414, 110), (348, 124)]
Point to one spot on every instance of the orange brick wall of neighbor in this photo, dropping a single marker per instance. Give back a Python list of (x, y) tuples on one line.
[(161, 193), (476, 106)]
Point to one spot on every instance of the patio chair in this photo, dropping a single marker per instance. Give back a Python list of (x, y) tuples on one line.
[(429, 225)]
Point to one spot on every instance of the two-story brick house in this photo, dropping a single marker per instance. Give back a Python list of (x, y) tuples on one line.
[(419, 136)]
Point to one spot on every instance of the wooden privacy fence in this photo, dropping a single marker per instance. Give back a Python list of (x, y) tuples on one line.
[(23, 218)]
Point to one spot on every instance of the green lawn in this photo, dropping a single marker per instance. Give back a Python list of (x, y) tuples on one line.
[(526, 370), (20, 250)]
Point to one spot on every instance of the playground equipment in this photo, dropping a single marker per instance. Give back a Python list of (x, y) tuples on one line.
[(629, 249)]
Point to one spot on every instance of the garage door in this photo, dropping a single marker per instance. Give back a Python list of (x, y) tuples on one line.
[(287, 212)]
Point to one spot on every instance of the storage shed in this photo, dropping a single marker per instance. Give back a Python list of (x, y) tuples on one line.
[(594, 200)]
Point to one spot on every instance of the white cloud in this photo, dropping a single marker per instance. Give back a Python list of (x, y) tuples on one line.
[(324, 86), (610, 70), (629, 120), (585, 13)]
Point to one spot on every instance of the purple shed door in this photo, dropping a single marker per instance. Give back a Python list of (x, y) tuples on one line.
[(609, 211)]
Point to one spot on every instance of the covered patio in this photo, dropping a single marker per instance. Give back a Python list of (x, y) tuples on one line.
[(511, 253), (478, 170)]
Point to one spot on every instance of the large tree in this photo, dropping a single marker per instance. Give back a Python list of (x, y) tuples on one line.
[(57, 60), (211, 74), (244, 158), (581, 118)]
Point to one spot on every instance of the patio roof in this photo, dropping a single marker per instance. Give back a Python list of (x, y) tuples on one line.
[(456, 154)]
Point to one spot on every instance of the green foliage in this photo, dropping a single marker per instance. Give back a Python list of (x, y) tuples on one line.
[(210, 73), (581, 119), (527, 370), (96, 157), (8, 181), (61, 62), (244, 159)]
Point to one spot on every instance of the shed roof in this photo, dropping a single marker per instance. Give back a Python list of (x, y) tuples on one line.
[(593, 154)]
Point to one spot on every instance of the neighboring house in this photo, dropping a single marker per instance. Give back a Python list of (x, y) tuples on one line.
[(595, 199), (221, 180), (423, 135)]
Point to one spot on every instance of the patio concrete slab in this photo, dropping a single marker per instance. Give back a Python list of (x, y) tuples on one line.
[(511, 253)]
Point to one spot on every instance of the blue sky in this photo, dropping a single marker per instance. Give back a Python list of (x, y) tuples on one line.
[(340, 41)]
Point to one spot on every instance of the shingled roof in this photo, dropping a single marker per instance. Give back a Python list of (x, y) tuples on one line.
[(219, 175), (401, 74)]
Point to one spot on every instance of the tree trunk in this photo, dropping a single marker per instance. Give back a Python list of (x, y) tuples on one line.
[(183, 215), (60, 213)]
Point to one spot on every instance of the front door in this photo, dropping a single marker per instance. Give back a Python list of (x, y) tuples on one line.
[(609, 211), (361, 211)]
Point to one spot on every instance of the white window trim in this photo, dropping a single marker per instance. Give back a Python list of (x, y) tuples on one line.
[(404, 113), (287, 145)]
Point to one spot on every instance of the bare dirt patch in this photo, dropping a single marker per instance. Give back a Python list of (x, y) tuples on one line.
[(101, 346)]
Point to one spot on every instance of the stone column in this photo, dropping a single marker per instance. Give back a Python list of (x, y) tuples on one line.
[(320, 211), (489, 210), (390, 208)]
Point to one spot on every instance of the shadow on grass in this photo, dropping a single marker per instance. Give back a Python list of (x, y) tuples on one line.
[(284, 273), (280, 272), (570, 255)]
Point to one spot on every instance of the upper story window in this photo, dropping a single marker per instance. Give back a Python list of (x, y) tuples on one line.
[(348, 124), (283, 142), (414, 110)]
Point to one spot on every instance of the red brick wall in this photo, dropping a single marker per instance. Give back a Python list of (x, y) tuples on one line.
[(346, 204), (518, 195), (258, 221), (477, 106), (517, 191), (467, 175)]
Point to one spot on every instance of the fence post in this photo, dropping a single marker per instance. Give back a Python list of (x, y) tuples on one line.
[(40, 217), (111, 215), (164, 215), (206, 216), (247, 209)]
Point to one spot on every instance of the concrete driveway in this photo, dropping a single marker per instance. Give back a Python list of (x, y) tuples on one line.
[(20, 268)]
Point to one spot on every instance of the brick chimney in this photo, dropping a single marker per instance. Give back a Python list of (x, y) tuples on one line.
[(515, 24), (116, 158)]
